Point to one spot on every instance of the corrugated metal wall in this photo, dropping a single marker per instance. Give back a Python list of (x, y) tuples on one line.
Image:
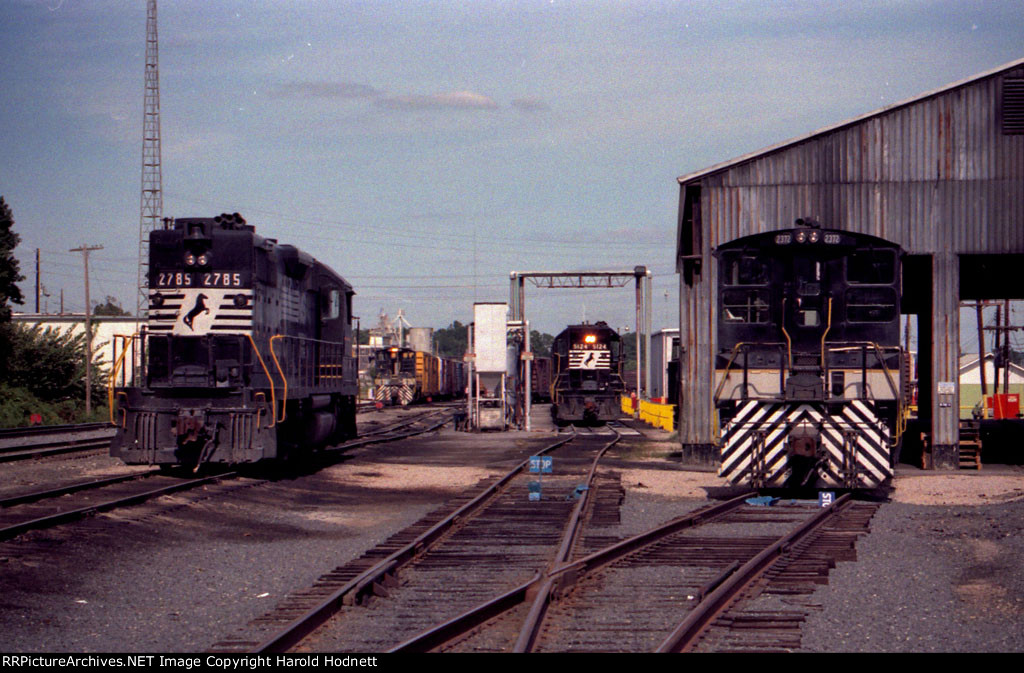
[(935, 174)]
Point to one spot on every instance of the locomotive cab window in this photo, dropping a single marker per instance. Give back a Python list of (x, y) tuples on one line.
[(871, 304), (739, 269), (871, 267), (332, 305), (745, 306)]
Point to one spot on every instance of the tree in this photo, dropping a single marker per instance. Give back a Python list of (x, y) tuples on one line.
[(10, 271), (50, 364), (452, 340), (44, 373), (112, 307), (540, 343)]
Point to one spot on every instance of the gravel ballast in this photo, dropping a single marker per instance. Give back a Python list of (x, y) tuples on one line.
[(939, 572)]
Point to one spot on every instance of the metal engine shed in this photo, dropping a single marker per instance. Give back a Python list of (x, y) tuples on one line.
[(941, 174)]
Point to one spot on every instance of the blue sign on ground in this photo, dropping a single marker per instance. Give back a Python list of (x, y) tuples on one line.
[(541, 464), (534, 487), (826, 498)]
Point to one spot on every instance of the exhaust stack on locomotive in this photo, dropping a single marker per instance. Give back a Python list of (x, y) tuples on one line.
[(808, 383)]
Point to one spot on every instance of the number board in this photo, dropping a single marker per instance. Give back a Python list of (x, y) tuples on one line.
[(168, 279)]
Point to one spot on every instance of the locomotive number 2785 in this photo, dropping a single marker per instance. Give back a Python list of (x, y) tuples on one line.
[(211, 279)]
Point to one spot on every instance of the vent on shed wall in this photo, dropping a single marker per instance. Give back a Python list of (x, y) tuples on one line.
[(1013, 106)]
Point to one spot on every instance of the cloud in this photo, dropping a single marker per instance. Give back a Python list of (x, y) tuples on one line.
[(454, 100), (330, 90)]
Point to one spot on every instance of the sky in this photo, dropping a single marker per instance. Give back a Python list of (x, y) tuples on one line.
[(424, 150)]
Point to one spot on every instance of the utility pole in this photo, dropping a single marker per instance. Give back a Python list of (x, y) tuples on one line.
[(1003, 328), (85, 249), (981, 352)]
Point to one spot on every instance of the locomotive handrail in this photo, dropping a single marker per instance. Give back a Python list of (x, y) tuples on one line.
[(828, 328), (273, 400), (732, 359), (721, 384), (284, 379), (113, 372), (280, 369), (789, 342), (901, 422)]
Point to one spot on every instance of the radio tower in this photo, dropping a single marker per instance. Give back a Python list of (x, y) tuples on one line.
[(152, 205)]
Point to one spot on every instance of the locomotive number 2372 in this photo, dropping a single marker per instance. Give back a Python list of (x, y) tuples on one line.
[(211, 279)]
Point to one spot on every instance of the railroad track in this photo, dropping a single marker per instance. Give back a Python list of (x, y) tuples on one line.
[(40, 441), (449, 562), (55, 506), (731, 576), (690, 585), (48, 440)]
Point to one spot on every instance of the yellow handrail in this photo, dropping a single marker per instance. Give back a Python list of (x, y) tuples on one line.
[(284, 379), (113, 372), (273, 400), (789, 342), (828, 328), (728, 367)]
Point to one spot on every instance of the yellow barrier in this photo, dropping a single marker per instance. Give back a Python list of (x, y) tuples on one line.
[(659, 415)]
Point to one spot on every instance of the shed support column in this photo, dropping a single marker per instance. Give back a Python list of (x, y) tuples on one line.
[(945, 337), (697, 417)]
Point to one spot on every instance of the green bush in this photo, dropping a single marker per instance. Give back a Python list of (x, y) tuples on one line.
[(43, 372), (18, 404)]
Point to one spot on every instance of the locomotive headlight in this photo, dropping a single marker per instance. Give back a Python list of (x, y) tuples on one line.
[(801, 236), (590, 339), (190, 259), (814, 237), (156, 301), (204, 259)]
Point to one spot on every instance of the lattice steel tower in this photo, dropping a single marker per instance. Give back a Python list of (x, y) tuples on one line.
[(152, 205)]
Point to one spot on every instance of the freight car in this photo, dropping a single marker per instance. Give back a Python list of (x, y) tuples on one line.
[(587, 374), (808, 383), (247, 351), (452, 379), (540, 380)]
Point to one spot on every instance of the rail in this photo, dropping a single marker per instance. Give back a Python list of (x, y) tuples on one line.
[(380, 573), (733, 581)]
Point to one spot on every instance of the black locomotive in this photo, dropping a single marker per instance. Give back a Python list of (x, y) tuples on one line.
[(808, 383), (587, 383), (247, 351)]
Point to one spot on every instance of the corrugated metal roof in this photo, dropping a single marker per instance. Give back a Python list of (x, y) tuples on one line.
[(850, 122)]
